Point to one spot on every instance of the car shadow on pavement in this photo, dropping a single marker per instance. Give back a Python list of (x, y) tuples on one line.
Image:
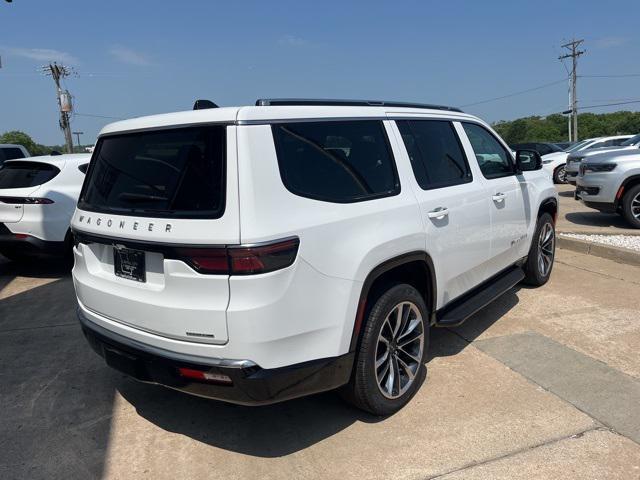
[(597, 219), (566, 193), (452, 340), (32, 268)]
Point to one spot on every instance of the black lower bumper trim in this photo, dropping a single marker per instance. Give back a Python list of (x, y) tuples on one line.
[(601, 206), (28, 245), (250, 385)]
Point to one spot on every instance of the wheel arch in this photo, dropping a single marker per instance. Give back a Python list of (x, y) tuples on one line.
[(626, 184), (415, 268), (549, 205)]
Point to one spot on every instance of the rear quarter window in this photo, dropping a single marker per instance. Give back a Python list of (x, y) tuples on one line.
[(336, 161), (18, 174)]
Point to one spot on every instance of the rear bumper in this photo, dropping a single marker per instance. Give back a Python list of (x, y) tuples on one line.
[(249, 383), (27, 244)]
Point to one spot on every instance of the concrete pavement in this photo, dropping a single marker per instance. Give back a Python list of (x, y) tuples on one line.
[(490, 408)]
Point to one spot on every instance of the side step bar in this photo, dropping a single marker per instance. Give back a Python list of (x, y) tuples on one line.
[(460, 309)]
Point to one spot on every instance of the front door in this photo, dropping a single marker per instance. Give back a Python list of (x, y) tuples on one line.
[(506, 192)]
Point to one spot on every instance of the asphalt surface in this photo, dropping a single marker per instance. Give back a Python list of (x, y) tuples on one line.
[(574, 217), (544, 383)]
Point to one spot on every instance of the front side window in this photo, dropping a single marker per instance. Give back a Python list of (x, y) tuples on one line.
[(336, 161), (18, 174), (493, 158), (436, 156), (176, 173)]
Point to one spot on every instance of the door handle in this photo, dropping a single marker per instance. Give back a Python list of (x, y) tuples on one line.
[(438, 213), (499, 197)]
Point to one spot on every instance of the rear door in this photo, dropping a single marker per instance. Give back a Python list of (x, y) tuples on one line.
[(453, 201), (18, 181), (153, 200), (507, 194)]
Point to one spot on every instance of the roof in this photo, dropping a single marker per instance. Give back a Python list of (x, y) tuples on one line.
[(58, 160), (273, 113)]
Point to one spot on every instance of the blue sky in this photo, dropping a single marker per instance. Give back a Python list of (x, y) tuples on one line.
[(142, 57)]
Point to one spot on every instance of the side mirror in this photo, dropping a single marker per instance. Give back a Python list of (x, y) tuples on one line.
[(528, 160)]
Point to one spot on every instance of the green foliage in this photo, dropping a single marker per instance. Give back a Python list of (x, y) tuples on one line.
[(17, 137), (554, 128)]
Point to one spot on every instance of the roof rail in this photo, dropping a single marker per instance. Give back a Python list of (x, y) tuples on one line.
[(263, 102)]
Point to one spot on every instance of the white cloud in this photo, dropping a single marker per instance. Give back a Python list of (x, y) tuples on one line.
[(292, 41), (610, 42), (41, 54), (127, 55)]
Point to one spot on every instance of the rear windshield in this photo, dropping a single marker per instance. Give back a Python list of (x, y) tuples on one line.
[(177, 173), (26, 174)]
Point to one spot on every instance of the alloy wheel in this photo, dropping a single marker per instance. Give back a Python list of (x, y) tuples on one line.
[(635, 206), (546, 249), (399, 350)]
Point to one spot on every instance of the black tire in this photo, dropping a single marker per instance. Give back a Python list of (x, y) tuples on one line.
[(631, 206), (560, 175), (535, 273), (364, 390)]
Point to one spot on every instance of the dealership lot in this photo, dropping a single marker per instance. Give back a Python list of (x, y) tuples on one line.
[(542, 384)]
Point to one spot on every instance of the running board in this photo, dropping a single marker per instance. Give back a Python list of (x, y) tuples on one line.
[(460, 309)]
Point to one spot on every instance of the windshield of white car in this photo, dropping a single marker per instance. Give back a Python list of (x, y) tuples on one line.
[(631, 141), (578, 145)]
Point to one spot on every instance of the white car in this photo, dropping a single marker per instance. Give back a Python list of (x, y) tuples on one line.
[(10, 151), (555, 163), (37, 198), (256, 254)]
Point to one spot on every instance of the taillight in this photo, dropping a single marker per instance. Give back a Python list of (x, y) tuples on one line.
[(242, 259), (26, 200)]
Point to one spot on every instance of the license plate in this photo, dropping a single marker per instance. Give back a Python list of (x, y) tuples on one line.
[(129, 264)]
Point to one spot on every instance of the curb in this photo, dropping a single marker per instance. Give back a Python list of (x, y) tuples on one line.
[(617, 254)]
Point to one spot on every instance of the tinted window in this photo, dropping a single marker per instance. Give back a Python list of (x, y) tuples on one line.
[(12, 152), (617, 141), (165, 173), (83, 168), (26, 174), (493, 158), (631, 141), (435, 153), (342, 161)]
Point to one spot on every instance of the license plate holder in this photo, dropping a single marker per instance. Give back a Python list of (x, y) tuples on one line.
[(129, 264)]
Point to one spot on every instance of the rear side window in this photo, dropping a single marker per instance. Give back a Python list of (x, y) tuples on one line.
[(336, 161), (177, 173), (493, 158), (435, 152), (26, 174), (10, 153)]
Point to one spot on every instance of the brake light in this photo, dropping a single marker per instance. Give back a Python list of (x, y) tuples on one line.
[(26, 200), (242, 259)]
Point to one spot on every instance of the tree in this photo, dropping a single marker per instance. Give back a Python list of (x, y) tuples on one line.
[(20, 138)]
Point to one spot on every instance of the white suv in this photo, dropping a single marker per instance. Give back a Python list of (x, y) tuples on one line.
[(38, 196), (256, 254)]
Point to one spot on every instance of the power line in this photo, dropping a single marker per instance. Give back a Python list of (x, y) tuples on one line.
[(611, 104), (546, 85), (624, 75), (97, 116)]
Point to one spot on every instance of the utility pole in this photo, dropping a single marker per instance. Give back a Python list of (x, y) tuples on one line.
[(574, 54), (77, 134), (58, 72)]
